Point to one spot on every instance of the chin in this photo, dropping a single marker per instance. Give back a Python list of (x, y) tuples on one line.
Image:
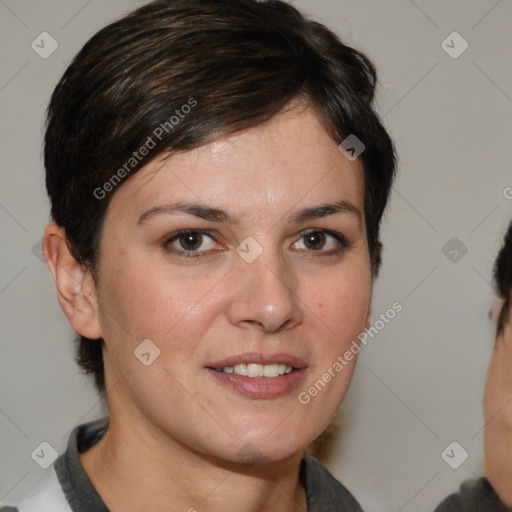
[(262, 449)]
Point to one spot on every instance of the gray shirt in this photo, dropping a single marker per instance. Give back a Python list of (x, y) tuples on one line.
[(474, 496), (324, 492)]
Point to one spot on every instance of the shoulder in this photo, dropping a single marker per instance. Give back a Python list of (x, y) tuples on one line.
[(45, 496), (324, 492), (65, 486), (475, 495)]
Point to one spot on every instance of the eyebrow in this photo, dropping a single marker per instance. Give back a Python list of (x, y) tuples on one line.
[(217, 215)]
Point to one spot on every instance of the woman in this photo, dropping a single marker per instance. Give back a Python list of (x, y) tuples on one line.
[(217, 176), (493, 493)]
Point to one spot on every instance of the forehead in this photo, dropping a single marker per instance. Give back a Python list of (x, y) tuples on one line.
[(289, 160)]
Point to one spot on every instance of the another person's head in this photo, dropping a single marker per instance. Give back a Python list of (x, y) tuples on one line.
[(503, 281), (205, 217), (498, 392)]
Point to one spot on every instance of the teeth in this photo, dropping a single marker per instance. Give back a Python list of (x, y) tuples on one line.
[(240, 369), (271, 370), (258, 370), (254, 370)]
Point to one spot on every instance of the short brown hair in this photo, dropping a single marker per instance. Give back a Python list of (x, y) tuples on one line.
[(503, 279), (239, 63)]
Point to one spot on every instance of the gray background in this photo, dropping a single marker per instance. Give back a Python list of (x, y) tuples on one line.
[(419, 383)]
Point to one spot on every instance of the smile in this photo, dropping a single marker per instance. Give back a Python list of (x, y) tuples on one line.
[(253, 370)]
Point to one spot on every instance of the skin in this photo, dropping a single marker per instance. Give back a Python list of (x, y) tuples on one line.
[(498, 415), (176, 433)]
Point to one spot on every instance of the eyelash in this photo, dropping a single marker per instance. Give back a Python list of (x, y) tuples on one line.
[(342, 241)]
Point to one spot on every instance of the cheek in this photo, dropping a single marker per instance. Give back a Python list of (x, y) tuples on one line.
[(142, 302), (342, 303), (498, 392)]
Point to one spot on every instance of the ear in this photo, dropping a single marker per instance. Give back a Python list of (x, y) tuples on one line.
[(497, 306), (367, 321), (76, 290)]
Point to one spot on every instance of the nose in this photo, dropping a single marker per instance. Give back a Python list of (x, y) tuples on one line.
[(264, 296)]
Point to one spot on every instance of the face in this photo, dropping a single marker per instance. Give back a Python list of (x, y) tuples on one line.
[(498, 412), (245, 262)]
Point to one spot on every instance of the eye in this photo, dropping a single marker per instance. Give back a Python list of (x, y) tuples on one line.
[(320, 240), (190, 243)]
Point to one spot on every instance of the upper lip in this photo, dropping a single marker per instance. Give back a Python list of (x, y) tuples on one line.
[(259, 358)]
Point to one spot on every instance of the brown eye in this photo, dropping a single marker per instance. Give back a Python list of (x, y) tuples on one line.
[(322, 241), (314, 240), (190, 243)]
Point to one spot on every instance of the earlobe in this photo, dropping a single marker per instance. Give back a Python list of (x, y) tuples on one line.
[(76, 291)]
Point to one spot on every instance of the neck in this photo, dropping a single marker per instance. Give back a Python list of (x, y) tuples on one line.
[(135, 468)]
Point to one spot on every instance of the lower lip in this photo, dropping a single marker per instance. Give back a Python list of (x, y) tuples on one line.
[(269, 387)]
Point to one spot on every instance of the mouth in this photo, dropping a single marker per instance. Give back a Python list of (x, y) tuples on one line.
[(258, 375), (255, 371)]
